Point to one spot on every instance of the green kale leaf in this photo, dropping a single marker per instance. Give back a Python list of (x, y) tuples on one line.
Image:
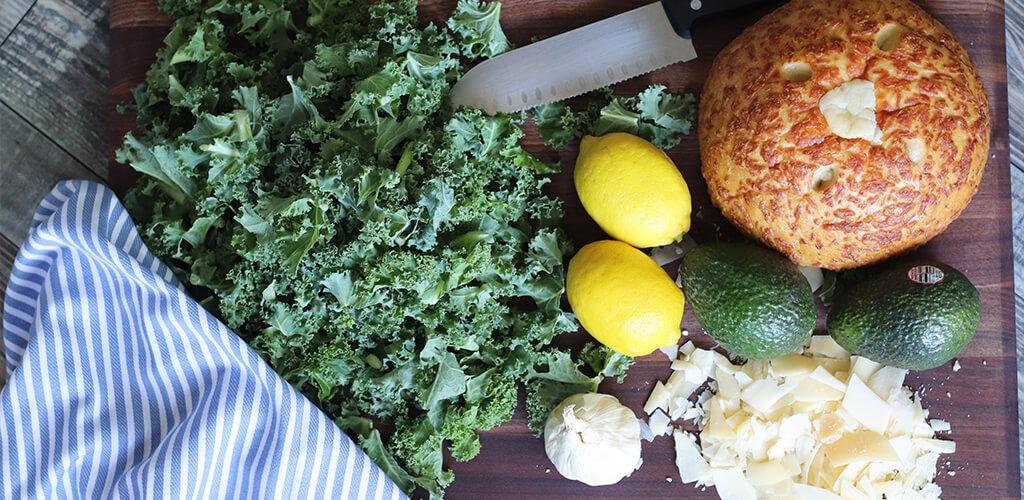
[(654, 114)]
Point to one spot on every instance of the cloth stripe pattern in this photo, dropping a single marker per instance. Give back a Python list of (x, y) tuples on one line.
[(121, 386)]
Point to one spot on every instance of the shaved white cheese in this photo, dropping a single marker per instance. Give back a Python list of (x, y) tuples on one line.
[(936, 445), (822, 375), (792, 365), (659, 423), (795, 426), (850, 492), (680, 388), (818, 424), (692, 466), (806, 492), (678, 407), (824, 345), (865, 406), (860, 446), (939, 425), (671, 351), (717, 426), (766, 473), (703, 359), (728, 390), (864, 368), (810, 390), (692, 413), (814, 276), (886, 380), (658, 399), (763, 394), (742, 378), (732, 485)]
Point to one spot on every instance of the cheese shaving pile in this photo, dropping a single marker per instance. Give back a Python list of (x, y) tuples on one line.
[(816, 424)]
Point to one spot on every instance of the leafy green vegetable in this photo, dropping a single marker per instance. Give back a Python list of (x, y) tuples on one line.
[(479, 28), (655, 115), (557, 377), (393, 259)]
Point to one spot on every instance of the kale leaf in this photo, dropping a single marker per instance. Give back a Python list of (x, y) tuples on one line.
[(654, 114)]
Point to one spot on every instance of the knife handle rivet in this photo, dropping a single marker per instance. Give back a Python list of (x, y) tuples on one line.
[(695, 4)]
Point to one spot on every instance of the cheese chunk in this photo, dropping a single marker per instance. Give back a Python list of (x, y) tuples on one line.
[(869, 409), (659, 423), (692, 466), (766, 473), (886, 380), (658, 399), (732, 485), (849, 110), (791, 365), (811, 390), (825, 345), (864, 368), (762, 395), (860, 446)]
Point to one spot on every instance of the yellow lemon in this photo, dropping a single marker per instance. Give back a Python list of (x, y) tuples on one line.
[(623, 298), (632, 190)]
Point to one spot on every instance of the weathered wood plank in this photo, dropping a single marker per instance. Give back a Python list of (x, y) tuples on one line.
[(31, 164), (1015, 78), (55, 75), (1015, 91), (11, 11), (8, 250)]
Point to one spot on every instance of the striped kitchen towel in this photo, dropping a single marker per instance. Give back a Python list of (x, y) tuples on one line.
[(121, 386)]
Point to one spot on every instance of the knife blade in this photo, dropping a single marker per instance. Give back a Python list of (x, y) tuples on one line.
[(587, 58)]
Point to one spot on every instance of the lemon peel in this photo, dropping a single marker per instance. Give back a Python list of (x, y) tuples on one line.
[(623, 298), (632, 190)]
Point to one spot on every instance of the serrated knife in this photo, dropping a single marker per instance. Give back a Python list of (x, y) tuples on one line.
[(587, 58)]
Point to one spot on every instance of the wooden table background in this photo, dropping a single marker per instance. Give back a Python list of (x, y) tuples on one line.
[(53, 115)]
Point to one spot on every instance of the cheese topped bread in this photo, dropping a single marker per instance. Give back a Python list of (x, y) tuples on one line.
[(843, 132)]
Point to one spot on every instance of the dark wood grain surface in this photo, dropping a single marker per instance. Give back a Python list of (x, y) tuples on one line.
[(980, 400)]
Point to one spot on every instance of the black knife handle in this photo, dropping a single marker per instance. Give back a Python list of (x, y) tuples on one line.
[(683, 13)]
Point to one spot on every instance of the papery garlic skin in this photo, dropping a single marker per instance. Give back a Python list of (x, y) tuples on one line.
[(592, 438)]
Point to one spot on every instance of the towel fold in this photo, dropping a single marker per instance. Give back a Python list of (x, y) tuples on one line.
[(120, 385)]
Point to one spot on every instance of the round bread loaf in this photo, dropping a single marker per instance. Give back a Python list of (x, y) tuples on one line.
[(843, 132)]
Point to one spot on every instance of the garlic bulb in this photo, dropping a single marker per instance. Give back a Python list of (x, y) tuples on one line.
[(593, 438)]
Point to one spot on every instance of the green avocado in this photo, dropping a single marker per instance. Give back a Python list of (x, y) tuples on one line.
[(916, 315), (751, 300)]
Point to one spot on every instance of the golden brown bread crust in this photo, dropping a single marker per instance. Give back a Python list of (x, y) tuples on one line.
[(763, 137)]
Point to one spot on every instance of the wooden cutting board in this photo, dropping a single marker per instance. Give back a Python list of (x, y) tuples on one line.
[(979, 400)]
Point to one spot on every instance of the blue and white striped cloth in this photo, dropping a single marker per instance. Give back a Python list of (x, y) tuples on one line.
[(121, 386)]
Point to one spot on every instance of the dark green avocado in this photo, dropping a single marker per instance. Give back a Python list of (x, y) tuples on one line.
[(916, 315), (751, 300)]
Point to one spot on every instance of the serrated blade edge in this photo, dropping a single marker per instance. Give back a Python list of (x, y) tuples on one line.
[(575, 62)]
